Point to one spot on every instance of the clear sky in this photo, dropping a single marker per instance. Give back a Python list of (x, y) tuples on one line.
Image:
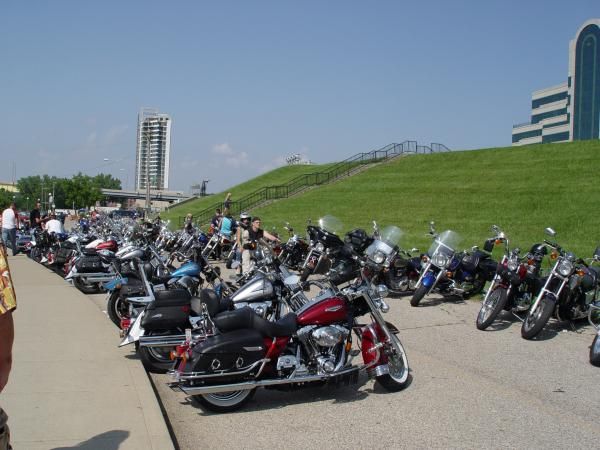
[(250, 82)]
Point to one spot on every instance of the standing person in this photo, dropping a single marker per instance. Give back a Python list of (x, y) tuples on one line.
[(188, 227), (215, 222), (35, 219), (10, 223), (226, 230), (243, 224), (8, 303), (249, 239), (227, 202)]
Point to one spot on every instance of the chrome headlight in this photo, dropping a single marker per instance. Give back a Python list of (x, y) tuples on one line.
[(382, 290), (565, 268), (440, 260), (512, 265), (319, 247), (378, 257)]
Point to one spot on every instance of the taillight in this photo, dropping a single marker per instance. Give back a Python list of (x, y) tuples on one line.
[(125, 323)]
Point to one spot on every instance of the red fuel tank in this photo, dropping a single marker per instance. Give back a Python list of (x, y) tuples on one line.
[(327, 311), (108, 245)]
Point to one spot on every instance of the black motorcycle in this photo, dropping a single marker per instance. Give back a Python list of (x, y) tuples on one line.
[(568, 292)]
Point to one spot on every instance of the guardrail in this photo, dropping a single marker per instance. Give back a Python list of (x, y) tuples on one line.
[(344, 168)]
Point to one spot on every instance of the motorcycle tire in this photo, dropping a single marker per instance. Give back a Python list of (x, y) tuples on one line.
[(490, 308), (536, 320), (398, 376), (225, 401), (595, 351), (86, 288), (116, 308), (420, 292), (36, 254), (156, 359)]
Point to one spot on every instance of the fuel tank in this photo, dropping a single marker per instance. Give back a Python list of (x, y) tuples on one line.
[(323, 312), (258, 288), (190, 269), (108, 245)]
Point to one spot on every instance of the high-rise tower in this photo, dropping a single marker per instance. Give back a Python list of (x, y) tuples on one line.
[(153, 149)]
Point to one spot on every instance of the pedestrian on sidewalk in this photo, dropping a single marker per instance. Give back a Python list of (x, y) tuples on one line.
[(10, 223), (8, 303)]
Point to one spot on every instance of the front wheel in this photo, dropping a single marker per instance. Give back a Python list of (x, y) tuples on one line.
[(225, 401), (595, 351), (537, 319), (491, 307), (420, 292), (397, 378)]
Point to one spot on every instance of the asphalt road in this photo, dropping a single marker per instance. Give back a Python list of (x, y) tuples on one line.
[(469, 389)]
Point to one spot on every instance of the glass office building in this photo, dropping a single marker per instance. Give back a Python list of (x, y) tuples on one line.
[(571, 110)]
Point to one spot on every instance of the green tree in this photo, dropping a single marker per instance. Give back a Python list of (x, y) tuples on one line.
[(106, 181)]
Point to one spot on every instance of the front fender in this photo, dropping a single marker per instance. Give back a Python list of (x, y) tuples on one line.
[(428, 279)]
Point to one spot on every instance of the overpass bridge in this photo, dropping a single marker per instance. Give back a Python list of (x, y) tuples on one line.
[(155, 195)]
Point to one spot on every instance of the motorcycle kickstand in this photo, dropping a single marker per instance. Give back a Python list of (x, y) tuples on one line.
[(518, 317)]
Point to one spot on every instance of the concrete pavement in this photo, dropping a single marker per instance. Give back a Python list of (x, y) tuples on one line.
[(71, 386)]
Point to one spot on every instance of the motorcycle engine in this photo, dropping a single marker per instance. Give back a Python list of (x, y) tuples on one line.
[(324, 345)]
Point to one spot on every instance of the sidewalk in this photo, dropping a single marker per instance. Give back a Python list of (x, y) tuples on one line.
[(70, 385)]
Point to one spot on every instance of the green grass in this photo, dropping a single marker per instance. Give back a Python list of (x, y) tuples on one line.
[(276, 177), (521, 189)]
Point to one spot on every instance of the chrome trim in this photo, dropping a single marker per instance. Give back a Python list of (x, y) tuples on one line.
[(162, 341), (380, 370), (199, 390), (202, 375)]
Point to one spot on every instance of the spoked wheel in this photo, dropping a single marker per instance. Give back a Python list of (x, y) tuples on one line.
[(225, 401), (156, 359), (117, 308), (490, 308), (86, 288), (537, 319), (595, 351), (397, 378), (35, 254), (420, 292)]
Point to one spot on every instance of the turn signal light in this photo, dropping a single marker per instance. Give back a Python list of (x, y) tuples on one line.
[(581, 272), (125, 324), (554, 254), (348, 347), (449, 274), (498, 241)]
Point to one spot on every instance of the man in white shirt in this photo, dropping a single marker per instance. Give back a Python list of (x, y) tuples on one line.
[(10, 222), (54, 225)]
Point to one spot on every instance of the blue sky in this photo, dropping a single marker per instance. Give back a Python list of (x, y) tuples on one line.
[(248, 83)]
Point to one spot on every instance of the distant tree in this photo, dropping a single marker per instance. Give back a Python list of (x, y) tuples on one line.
[(5, 198), (106, 181)]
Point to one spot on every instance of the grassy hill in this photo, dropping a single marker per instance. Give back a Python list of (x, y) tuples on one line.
[(521, 189), (276, 177)]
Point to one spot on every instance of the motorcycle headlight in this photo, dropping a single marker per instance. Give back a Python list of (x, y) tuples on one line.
[(565, 268), (378, 257), (319, 247), (382, 290), (440, 260), (512, 265)]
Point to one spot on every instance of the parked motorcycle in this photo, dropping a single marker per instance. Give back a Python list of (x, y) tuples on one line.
[(312, 344), (451, 272), (294, 251), (324, 244), (568, 292), (516, 283)]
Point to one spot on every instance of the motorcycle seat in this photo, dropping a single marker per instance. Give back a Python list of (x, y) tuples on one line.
[(214, 304), (89, 251), (246, 318), (172, 297)]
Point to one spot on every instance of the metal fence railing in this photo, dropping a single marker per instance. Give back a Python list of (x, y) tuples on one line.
[(301, 182)]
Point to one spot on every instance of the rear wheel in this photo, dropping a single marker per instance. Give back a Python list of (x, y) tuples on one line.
[(491, 307), (117, 308), (156, 359), (397, 378), (86, 288), (225, 401), (595, 351), (537, 319), (420, 292)]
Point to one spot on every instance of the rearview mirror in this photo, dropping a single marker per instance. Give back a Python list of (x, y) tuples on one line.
[(550, 232)]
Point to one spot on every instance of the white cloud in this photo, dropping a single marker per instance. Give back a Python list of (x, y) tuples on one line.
[(228, 157)]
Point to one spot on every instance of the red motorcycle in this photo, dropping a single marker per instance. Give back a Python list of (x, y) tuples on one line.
[(241, 351)]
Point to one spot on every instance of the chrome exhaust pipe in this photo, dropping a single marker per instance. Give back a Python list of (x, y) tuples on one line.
[(162, 341), (247, 385)]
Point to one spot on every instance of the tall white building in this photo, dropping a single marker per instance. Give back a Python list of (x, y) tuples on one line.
[(153, 149), (569, 111)]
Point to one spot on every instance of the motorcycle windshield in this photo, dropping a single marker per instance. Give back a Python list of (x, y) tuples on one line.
[(389, 238), (446, 243), (331, 224)]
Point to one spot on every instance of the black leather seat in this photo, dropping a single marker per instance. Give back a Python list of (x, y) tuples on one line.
[(89, 251), (214, 304), (247, 318), (172, 297)]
